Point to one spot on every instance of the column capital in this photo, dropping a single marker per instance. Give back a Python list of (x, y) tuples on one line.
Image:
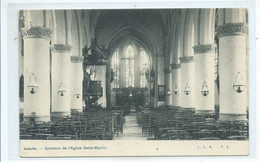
[(76, 59), (204, 48), (37, 32), (231, 29), (61, 48), (175, 66), (186, 59)]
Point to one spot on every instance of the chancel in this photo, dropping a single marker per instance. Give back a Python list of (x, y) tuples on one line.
[(134, 74)]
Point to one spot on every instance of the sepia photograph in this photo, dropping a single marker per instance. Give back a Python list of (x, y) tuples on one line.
[(116, 75)]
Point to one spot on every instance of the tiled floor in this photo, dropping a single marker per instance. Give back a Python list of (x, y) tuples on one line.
[(131, 130)]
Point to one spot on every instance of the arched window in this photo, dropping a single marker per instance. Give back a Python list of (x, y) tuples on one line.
[(130, 65)]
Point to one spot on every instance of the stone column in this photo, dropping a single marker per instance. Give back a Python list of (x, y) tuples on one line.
[(233, 70), (61, 76), (187, 92), (37, 73), (205, 75), (76, 84), (176, 85), (168, 86)]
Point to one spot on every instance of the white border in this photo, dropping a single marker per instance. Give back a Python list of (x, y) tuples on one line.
[(9, 69)]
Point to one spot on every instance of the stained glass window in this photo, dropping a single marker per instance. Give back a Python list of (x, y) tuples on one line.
[(127, 72), (129, 66), (115, 67), (144, 60), (132, 73)]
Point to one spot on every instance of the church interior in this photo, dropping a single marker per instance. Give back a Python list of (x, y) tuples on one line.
[(134, 74)]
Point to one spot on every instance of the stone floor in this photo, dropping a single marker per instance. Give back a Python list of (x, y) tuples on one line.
[(131, 130)]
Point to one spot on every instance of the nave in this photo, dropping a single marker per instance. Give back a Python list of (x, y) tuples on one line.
[(162, 123), (162, 74), (131, 129)]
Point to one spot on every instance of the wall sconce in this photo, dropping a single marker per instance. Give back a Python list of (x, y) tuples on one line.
[(62, 90), (175, 90), (33, 114), (130, 95), (33, 86), (187, 89), (169, 92), (77, 95), (204, 90), (239, 85)]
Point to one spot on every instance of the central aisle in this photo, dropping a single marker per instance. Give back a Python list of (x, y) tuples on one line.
[(131, 129)]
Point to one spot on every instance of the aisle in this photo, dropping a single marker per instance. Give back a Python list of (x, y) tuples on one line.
[(131, 129)]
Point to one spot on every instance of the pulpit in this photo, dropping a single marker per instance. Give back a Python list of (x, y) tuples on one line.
[(95, 76)]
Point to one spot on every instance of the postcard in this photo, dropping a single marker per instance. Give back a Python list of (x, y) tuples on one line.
[(133, 82)]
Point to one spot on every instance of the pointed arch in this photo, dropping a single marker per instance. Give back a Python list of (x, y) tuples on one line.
[(131, 33), (133, 58)]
